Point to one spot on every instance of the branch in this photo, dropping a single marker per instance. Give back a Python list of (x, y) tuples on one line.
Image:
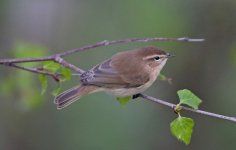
[(33, 70), (131, 40), (58, 59), (98, 44), (162, 102)]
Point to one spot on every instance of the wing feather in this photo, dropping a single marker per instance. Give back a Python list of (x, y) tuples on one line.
[(117, 72), (103, 75)]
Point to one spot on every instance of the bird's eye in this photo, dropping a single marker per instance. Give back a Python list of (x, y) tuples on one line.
[(157, 58)]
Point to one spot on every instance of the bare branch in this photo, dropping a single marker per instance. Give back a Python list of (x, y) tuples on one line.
[(233, 119), (99, 44), (55, 76), (131, 40), (68, 65), (58, 57), (33, 70), (25, 60)]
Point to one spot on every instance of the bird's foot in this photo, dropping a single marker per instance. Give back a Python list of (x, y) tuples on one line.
[(136, 96)]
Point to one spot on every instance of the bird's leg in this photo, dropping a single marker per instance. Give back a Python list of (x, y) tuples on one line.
[(136, 96)]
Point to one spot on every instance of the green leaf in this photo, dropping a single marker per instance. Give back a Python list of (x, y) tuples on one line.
[(162, 77), (44, 83), (124, 100), (182, 129), (51, 66), (66, 72), (56, 91), (188, 98)]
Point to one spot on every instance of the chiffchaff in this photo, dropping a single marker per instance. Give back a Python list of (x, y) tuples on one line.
[(124, 74)]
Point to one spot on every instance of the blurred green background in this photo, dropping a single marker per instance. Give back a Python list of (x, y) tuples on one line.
[(29, 120)]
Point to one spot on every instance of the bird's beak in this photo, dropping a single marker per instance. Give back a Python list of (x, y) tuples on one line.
[(168, 55)]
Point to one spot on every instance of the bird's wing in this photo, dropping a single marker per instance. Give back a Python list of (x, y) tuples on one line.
[(131, 69), (116, 73), (104, 75)]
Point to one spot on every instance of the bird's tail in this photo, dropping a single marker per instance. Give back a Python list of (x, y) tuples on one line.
[(68, 97)]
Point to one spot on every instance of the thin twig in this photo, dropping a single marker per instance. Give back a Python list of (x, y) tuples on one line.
[(44, 72), (68, 65), (99, 44), (33, 70), (55, 76), (233, 119), (58, 57), (130, 40), (25, 60)]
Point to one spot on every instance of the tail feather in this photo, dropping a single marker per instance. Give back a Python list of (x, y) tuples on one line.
[(68, 97)]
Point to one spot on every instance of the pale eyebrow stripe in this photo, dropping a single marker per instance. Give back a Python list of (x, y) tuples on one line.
[(152, 56)]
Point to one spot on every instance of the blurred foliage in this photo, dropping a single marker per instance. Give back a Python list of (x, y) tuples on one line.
[(124, 100), (22, 84), (162, 77)]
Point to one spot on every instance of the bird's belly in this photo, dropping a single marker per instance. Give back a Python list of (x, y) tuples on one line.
[(129, 91)]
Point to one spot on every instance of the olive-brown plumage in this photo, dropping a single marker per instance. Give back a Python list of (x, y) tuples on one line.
[(125, 73)]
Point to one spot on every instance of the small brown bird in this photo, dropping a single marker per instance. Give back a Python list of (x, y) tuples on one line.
[(124, 74)]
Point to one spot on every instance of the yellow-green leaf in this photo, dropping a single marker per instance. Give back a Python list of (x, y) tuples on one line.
[(44, 83), (66, 72), (188, 98), (162, 77), (182, 129), (124, 100), (56, 91), (51, 66)]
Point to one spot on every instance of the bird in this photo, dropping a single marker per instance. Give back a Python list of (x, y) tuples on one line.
[(126, 73)]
